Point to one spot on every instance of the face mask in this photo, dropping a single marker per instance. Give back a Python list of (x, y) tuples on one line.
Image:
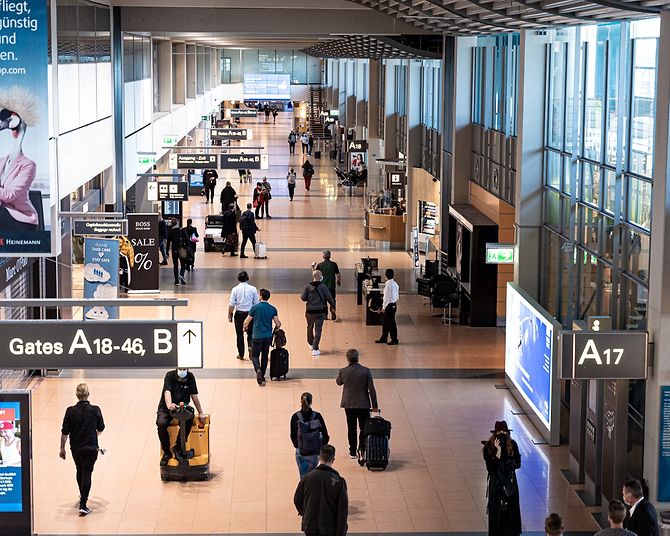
[(182, 373)]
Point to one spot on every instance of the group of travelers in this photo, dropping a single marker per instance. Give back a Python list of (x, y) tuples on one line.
[(261, 198), (269, 111), (306, 140)]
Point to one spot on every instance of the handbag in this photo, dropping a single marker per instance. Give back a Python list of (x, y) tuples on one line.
[(183, 252), (194, 238), (203, 192)]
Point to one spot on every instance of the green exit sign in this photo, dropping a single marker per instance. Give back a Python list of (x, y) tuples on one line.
[(205, 118), (146, 159), (499, 253), (170, 140)]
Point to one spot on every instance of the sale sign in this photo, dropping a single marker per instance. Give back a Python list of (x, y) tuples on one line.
[(143, 235)]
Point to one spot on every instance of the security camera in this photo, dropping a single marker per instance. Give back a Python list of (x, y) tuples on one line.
[(189, 138), (435, 179)]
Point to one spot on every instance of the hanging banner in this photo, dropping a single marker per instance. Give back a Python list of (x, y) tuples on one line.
[(15, 471), (143, 235), (101, 276), (26, 188)]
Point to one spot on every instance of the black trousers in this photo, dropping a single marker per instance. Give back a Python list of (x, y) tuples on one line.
[(239, 318), (251, 238), (260, 350), (163, 420), (291, 147), (209, 191), (291, 191), (84, 462), (356, 417), (389, 326)]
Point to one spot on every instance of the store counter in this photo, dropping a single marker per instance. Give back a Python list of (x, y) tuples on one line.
[(374, 299), (361, 277), (384, 227)]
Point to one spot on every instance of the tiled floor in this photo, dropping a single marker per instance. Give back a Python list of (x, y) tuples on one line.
[(436, 480)]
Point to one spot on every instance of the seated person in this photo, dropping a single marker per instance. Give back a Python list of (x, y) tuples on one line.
[(178, 386)]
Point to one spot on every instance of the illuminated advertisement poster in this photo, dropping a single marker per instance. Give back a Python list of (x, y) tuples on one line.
[(530, 352), (10, 452), (101, 276), (267, 86), (26, 189)]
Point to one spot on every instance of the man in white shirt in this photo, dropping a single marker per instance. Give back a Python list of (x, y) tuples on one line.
[(391, 296), (242, 298)]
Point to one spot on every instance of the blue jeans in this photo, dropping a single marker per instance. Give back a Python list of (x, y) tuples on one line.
[(305, 463)]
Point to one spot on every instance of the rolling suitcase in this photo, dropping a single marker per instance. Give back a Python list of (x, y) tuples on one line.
[(317, 154), (377, 435), (278, 363), (261, 250), (333, 154)]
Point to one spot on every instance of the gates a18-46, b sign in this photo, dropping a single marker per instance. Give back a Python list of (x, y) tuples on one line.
[(605, 355)]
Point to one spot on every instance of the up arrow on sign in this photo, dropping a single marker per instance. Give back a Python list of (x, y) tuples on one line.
[(189, 344)]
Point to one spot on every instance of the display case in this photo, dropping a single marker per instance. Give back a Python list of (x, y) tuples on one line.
[(427, 223)]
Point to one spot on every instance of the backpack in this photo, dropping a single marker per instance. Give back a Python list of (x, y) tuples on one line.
[(245, 222), (278, 338), (183, 250), (310, 439)]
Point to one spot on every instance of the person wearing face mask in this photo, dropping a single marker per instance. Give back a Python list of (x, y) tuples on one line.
[(178, 387), (317, 297)]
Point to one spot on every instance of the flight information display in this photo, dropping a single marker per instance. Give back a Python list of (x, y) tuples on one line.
[(267, 87)]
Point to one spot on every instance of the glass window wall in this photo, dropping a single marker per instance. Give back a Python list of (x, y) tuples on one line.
[(612, 105)]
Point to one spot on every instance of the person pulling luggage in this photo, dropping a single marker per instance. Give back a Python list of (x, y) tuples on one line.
[(358, 396), (263, 315)]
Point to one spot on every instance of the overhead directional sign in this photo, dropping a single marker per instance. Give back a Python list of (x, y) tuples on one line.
[(355, 146), (243, 161), (62, 344), (101, 227), (172, 191), (196, 161), (604, 355), (242, 112), (231, 134)]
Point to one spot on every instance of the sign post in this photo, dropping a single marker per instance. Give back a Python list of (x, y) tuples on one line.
[(16, 502), (63, 344), (143, 235), (101, 276)]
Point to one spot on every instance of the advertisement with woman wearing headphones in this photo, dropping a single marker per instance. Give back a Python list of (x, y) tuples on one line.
[(25, 184)]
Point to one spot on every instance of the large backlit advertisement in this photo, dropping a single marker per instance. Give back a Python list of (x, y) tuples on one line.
[(267, 87), (25, 185), (530, 354), (15, 460)]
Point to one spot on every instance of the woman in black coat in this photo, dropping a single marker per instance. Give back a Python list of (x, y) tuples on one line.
[(501, 454)]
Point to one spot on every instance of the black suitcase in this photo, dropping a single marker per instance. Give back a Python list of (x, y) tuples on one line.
[(317, 155), (278, 363), (376, 452), (377, 434), (333, 154)]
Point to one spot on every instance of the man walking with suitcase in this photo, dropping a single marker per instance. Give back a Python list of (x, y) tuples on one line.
[(263, 315), (321, 498), (248, 227), (358, 395)]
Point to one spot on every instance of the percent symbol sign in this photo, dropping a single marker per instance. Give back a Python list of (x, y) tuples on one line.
[(143, 261)]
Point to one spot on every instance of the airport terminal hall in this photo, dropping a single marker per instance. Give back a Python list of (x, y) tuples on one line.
[(335, 267)]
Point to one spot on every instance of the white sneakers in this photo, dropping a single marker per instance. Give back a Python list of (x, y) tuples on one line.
[(315, 353)]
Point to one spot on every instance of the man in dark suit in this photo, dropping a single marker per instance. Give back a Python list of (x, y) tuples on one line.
[(358, 395), (642, 518)]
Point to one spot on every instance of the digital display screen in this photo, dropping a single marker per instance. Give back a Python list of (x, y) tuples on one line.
[(529, 352), (267, 87), (196, 180), (10, 451)]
